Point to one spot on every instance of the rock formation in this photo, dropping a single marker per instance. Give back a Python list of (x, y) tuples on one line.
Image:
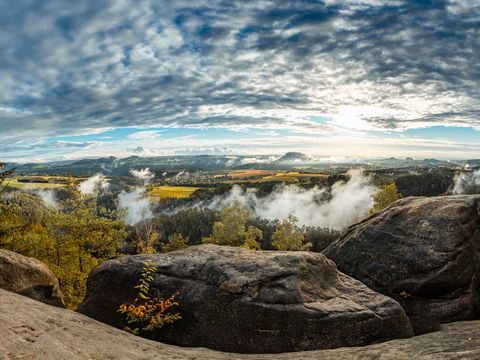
[(237, 300), (423, 252), (29, 277), (32, 330)]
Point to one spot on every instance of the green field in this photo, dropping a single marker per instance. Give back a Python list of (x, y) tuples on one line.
[(176, 192), (261, 176), (14, 183), (237, 174)]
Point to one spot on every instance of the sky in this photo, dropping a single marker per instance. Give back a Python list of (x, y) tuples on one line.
[(352, 78)]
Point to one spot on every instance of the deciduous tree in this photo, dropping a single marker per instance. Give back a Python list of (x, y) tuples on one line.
[(289, 237), (385, 195), (175, 242), (146, 235), (232, 230)]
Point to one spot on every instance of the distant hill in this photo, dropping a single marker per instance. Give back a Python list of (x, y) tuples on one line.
[(121, 166), (293, 157)]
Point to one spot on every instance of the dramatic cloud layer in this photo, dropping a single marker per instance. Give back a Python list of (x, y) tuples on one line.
[(302, 66)]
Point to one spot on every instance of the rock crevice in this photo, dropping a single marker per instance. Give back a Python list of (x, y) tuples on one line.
[(423, 252)]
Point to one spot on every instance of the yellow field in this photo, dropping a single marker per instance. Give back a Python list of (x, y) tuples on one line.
[(278, 177), (300, 174), (177, 192)]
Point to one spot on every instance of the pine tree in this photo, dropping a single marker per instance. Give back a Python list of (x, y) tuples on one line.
[(4, 174), (84, 234), (71, 239)]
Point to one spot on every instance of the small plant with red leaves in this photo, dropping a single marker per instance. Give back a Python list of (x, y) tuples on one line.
[(149, 311)]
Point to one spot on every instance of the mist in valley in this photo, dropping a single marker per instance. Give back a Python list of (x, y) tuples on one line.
[(338, 207), (135, 203), (467, 182)]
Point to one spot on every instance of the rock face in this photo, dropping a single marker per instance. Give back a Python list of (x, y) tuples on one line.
[(423, 252), (32, 330), (29, 277), (237, 300)]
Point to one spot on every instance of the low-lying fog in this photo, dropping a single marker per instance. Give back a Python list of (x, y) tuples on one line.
[(346, 203), (338, 207)]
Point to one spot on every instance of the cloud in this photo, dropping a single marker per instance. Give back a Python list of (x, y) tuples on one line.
[(141, 135), (144, 174), (48, 197), (137, 149), (140, 151), (94, 183), (257, 160), (50, 145), (466, 183), (136, 205), (76, 68)]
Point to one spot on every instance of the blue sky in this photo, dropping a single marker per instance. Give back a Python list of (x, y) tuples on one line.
[(352, 78)]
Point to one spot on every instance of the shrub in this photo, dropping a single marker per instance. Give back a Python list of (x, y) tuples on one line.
[(149, 311), (175, 242)]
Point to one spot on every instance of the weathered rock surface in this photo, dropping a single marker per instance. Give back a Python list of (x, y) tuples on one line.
[(237, 300), (35, 331), (423, 252), (29, 277)]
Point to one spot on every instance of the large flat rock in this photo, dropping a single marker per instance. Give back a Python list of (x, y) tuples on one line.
[(35, 331), (237, 300), (423, 252)]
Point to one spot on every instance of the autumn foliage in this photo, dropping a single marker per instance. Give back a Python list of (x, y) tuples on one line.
[(386, 195), (149, 311), (70, 238)]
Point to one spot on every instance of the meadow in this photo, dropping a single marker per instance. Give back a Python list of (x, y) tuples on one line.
[(44, 182), (177, 192), (259, 176), (249, 173)]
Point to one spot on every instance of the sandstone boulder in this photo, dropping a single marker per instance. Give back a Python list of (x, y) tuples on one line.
[(29, 277), (32, 330), (423, 252), (233, 299)]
